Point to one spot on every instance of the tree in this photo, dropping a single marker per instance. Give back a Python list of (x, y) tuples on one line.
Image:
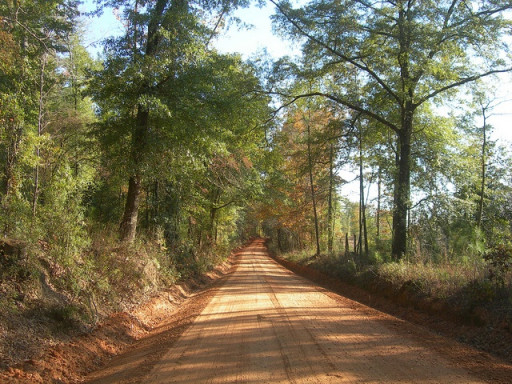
[(483, 169), (300, 191), (485, 105), (33, 33), (406, 54), (163, 40), (363, 231)]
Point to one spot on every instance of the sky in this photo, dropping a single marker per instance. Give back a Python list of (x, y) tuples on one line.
[(246, 42)]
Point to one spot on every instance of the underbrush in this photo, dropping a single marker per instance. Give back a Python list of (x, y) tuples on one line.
[(48, 295), (467, 291)]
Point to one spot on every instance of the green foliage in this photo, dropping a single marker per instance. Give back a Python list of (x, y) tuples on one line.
[(193, 165), (389, 73)]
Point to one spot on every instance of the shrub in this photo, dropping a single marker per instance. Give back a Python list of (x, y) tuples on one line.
[(499, 258)]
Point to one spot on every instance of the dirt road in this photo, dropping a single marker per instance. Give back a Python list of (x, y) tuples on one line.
[(266, 325)]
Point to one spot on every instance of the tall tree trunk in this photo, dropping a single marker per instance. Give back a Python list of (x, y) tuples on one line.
[(14, 140), (330, 221), (334, 210), (378, 203), (156, 201), (213, 217), (361, 201), (403, 176), (40, 123), (148, 205), (313, 195), (483, 171), (215, 199), (363, 233), (402, 187), (128, 227)]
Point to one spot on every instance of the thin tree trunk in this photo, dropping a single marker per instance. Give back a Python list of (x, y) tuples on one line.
[(213, 215), (14, 127), (363, 238), (155, 202), (483, 169), (330, 229), (378, 203), (148, 215), (40, 123), (365, 233), (14, 137), (75, 89), (213, 218), (216, 232), (334, 210), (361, 203), (313, 196)]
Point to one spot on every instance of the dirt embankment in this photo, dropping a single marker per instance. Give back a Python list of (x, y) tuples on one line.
[(69, 362)]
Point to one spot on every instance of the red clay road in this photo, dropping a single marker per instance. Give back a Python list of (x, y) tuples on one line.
[(265, 324)]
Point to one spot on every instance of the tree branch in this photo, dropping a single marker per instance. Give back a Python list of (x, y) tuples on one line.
[(461, 82), (223, 205), (217, 25), (338, 100), (335, 52)]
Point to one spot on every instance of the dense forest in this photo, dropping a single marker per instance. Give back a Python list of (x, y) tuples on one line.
[(126, 172)]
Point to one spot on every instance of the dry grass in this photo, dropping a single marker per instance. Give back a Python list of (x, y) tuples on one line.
[(466, 288), (434, 280)]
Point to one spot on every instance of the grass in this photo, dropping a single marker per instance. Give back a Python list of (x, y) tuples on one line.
[(467, 288), (433, 280)]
